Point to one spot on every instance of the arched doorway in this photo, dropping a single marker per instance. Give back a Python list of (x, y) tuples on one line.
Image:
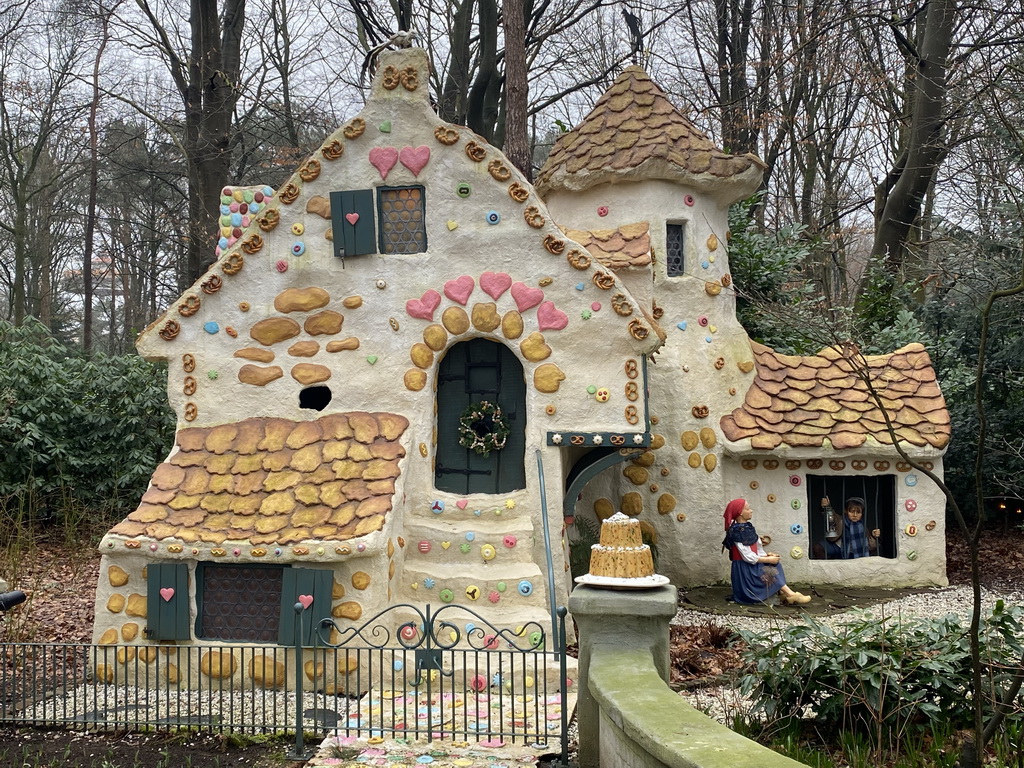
[(471, 371)]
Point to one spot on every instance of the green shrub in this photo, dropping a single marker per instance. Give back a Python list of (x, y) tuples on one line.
[(889, 678), (76, 432)]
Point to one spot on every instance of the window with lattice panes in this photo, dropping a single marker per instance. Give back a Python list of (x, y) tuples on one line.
[(402, 219), (675, 249), (877, 493)]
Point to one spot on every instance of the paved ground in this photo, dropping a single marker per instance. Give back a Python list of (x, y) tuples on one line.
[(826, 600)]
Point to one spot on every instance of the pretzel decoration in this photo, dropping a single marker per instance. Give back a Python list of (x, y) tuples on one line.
[(269, 220), (603, 280), (700, 411), (881, 466), (814, 463), (333, 151), (445, 135), (553, 245), (631, 368), (212, 284), (289, 194), (191, 411), (719, 363), (310, 171), (533, 217), (859, 464), (170, 330), (190, 307), (354, 129), (726, 280), (577, 259), (234, 264), (836, 465), (518, 192), (621, 305), (638, 330), (657, 312), (617, 439), (771, 464), (410, 79), (498, 170), (632, 391), (713, 288), (190, 386), (475, 152), (390, 78), (188, 362), (631, 414), (252, 244), (576, 439)]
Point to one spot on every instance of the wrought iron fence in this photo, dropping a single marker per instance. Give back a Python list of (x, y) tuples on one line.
[(406, 673)]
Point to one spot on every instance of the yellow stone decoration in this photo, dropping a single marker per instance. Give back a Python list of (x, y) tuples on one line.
[(136, 606), (259, 377), (657, 441), (666, 503), (349, 610), (486, 317), (710, 462), (547, 378), (352, 302), (455, 320), (604, 509), (415, 380), (707, 437), (117, 576), (267, 672), (694, 460), (512, 325), (301, 299), (218, 665), (344, 344), (274, 329), (324, 323), (534, 348), (689, 440), (712, 242), (745, 365), (632, 504), (636, 475), (360, 580), (124, 655), (421, 355), (116, 603), (310, 373), (645, 459), (435, 337), (109, 637)]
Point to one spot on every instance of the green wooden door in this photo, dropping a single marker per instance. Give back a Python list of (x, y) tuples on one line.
[(167, 602), (352, 222), (315, 582), (473, 371)]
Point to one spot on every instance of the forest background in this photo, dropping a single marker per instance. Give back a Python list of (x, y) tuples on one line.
[(891, 206)]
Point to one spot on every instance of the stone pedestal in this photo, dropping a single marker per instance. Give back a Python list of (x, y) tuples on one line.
[(619, 619)]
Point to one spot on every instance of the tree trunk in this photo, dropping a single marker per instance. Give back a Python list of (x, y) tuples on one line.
[(900, 196), (517, 144)]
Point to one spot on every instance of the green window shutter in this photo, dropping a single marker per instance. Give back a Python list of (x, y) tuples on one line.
[(167, 602), (352, 222), (317, 582)]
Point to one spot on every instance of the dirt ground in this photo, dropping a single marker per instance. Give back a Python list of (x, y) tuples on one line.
[(61, 582)]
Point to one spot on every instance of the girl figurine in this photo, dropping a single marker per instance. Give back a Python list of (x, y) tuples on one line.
[(756, 574)]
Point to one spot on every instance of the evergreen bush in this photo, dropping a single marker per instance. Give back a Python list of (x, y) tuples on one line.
[(76, 432)]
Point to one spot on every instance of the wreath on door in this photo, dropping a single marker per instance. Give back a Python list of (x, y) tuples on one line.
[(483, 428)]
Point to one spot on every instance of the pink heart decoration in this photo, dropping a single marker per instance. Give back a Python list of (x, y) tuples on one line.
[(167, 593), (526, 296), (495, 283), (415, 158), (383, 159), (551, 319), (352, 218), (306, 600), (461, 503), (459, 289), (423, 307)]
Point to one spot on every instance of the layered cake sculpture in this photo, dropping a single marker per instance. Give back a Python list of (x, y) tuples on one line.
[(621, 559)]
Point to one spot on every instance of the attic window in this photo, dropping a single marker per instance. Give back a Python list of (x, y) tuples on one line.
[(675, 251), (403, 227)]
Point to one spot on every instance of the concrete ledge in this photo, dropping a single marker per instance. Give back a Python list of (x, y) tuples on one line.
[(653, 726)]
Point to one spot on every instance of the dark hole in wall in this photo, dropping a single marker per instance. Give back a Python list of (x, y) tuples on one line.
[(315, 398)]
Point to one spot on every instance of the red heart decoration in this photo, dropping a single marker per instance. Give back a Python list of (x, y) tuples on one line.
[(352, 218), (415, 158), (423, 307), (551, 319), (167, 593), (526, 296), (306, 600), (495, 283), (383, 159), (459, 289)]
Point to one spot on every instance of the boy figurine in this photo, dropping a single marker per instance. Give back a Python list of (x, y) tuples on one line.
[(846, 535)]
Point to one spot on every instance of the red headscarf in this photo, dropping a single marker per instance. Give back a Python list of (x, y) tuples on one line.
[(732, 511)]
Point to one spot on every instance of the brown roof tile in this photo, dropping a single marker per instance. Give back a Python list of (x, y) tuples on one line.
[(835, 403), (625, 246), (274, 481), (634, 131)]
